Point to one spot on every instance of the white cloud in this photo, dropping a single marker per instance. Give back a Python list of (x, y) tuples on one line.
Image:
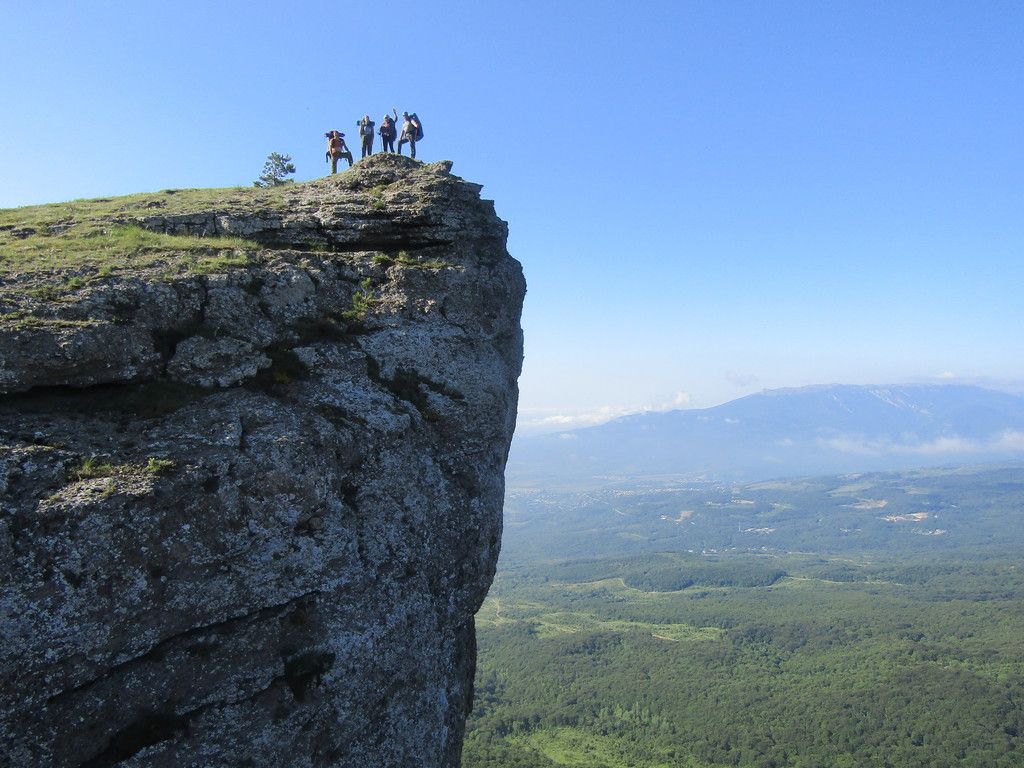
[(681, 400), (851, 445), (946, 375), (942, 445), (563, 419), (535, 421), (1009, 441)]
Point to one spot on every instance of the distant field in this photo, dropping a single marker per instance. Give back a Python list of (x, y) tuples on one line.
[(914, 512)]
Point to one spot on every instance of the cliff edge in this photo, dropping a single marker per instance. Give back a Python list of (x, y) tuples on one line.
[(252, 446)]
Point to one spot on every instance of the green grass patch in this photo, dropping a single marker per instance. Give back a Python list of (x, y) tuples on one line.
[(363, 301), (566, 622), (101, 250), (23, 320), (156, 466), (581, 748), (92, 468), (95, 238), (53, 218), (404, 259), (546, 623)]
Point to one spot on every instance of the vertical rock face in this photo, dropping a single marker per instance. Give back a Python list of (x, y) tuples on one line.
[(250, 505)]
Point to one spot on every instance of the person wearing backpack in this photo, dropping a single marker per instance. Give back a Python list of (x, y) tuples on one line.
[(411, 132), (366, 133), (388, 133), (336, 149)]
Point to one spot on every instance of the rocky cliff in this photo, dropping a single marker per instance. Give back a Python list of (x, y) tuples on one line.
[(252, 446)]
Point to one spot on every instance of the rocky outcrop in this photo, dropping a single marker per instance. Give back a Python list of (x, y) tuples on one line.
[(251, 498)]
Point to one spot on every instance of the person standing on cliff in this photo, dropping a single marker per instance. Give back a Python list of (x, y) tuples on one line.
[(388, 133), (409, 133), (366, 133)]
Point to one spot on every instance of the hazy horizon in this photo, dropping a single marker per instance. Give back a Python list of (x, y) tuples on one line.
[(553, 421), (708, 199)]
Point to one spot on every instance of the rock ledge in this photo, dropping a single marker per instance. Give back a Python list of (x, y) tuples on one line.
[(249, 505)]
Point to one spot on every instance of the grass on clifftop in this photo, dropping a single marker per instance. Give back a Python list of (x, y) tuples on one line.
[(106, 251), (96, 238), (49, 252), (167, 202)]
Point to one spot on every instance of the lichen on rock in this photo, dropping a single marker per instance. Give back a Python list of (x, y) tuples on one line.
[(251, 470)]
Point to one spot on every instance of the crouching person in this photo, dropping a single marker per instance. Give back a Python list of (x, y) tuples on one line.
[(337, 149)]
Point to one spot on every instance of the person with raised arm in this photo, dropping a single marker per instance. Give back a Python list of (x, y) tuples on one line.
[(388, 133)]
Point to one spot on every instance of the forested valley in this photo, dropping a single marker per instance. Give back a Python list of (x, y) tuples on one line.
[(907, 653)]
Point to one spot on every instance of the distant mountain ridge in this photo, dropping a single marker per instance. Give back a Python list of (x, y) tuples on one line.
[(784, 432)]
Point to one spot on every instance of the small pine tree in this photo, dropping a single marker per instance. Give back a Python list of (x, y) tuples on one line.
[(274, 170)]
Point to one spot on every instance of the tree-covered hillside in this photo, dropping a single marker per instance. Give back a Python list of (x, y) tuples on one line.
[(759, 662)]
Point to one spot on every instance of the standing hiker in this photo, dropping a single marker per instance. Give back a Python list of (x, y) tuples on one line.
[(388, 133), (366, 133), (337, 149), (411, 132)]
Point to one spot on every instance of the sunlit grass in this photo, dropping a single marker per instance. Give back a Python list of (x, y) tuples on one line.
[(99, 250), (64, 246), (545, 623), (167, 202), (571, 622), (580, 748)]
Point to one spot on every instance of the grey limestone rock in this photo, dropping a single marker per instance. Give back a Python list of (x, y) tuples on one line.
[(247, 515)]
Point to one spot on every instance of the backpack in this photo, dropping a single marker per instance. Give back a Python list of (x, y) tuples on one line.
[(366, 129), (418, 125), (388, 130), (335, 143)]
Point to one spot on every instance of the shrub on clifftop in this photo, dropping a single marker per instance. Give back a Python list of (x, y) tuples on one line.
[(274, 170)]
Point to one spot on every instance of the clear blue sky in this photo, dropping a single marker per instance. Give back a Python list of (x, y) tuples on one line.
[(709, 198)]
